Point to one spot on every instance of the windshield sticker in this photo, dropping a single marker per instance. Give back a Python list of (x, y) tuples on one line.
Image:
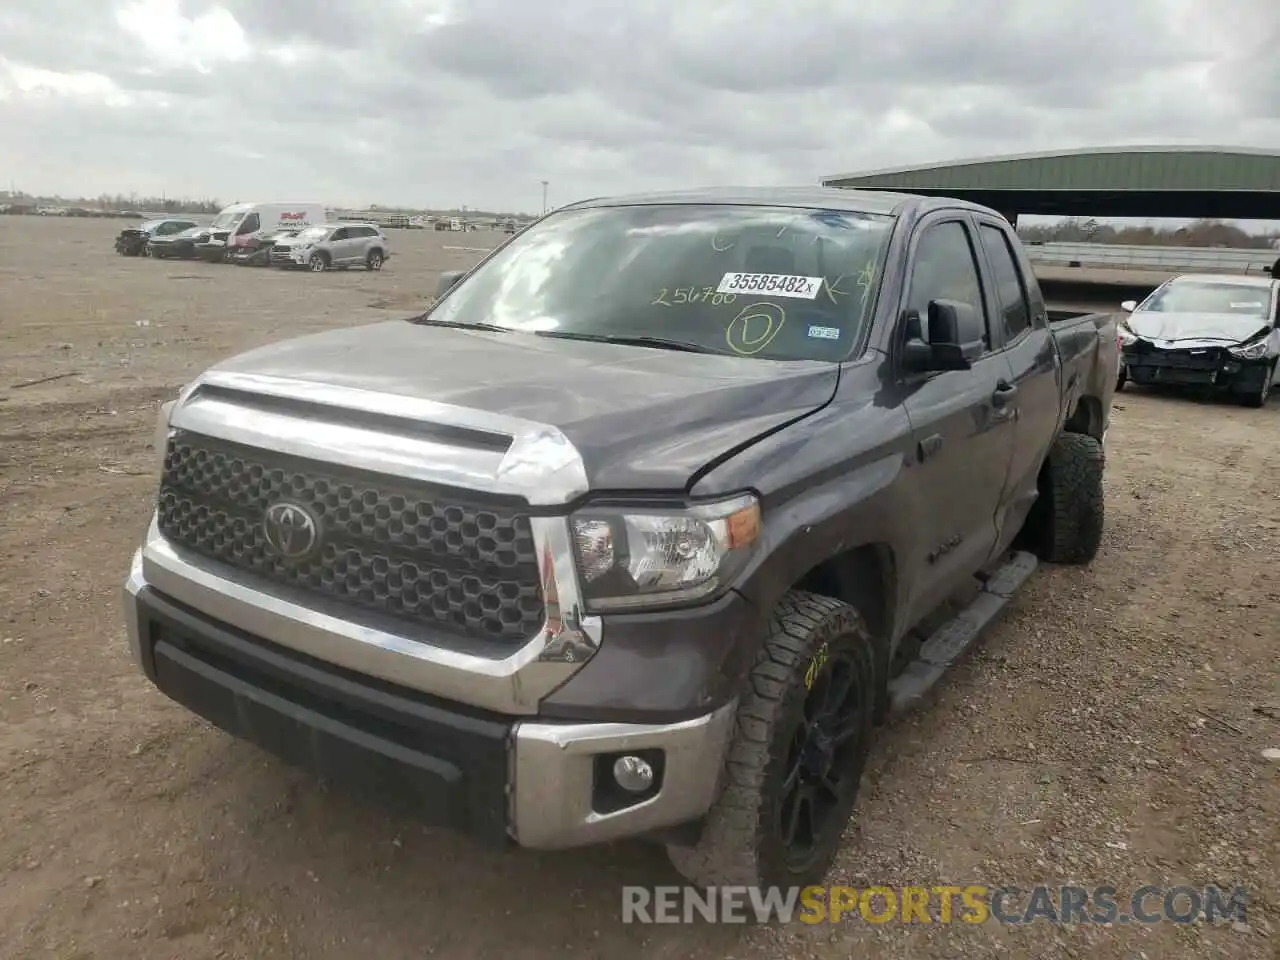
[(824, 333), (754, 328), (682, 295), (771, 284)]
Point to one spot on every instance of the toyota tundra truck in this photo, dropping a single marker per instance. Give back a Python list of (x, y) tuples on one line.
[(642, 529)]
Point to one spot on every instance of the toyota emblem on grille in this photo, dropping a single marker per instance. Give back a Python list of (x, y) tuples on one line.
[(291, 529)]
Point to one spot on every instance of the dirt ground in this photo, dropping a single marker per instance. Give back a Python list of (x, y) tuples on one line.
[(1110, 729)]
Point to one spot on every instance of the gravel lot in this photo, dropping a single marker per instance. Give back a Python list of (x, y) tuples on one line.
[(1110, 730)]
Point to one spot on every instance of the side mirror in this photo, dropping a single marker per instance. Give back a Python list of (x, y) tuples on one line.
[(955, 338), (448, 280), (1129, 306)]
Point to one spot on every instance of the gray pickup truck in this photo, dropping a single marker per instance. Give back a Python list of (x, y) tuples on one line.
[(642, 529)]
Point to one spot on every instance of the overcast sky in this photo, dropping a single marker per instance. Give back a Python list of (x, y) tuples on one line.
[(443, 102)]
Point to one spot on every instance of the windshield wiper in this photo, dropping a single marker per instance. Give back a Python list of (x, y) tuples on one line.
[(426, 320), (659, 342)]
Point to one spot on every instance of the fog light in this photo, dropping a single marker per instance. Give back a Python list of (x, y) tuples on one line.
[(633, 774)]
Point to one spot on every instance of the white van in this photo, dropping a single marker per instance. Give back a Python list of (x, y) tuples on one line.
[(243, 224)]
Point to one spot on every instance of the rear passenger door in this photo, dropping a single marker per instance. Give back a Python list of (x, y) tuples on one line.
[(1027, 343), (362, 240), (962, 428)]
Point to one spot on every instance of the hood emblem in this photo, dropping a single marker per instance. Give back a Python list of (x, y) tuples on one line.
[(292, 530)]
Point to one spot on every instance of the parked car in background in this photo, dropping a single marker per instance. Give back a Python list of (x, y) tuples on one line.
[(238, 230), (180, 245), (1213, 331), (132, 241), (334, 246)]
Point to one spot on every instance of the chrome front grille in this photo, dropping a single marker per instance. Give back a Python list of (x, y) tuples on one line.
[(466, 565)]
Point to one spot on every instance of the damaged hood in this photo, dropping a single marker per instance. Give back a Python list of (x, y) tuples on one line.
[(640, 418), (1184, 328)]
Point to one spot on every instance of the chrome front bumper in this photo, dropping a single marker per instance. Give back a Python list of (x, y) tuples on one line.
[(552, 766)]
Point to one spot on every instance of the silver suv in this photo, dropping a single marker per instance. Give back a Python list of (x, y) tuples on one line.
[(328, 246)]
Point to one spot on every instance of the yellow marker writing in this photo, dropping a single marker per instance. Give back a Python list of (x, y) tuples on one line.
[(754, 328)]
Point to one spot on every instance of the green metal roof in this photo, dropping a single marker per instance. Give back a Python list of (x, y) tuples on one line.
[(1139, 168)]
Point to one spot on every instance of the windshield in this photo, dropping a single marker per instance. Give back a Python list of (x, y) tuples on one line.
[(776, 283), (1209, 296), (314, 233), (227, 219)]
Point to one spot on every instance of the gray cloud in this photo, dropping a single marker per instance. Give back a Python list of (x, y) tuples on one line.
[(473, 101)]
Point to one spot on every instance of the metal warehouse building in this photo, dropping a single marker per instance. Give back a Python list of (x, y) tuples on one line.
[(1147, 181)]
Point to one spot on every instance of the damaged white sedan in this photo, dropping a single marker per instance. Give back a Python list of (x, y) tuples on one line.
[(1214, 331)]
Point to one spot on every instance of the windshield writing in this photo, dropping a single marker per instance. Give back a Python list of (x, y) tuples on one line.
[(768, 282), (1209, 297)]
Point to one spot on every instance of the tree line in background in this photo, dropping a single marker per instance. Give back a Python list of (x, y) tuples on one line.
[(1201, 233), (119, 203)]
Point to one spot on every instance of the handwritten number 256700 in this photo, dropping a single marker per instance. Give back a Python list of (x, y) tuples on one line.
[(683, 295)]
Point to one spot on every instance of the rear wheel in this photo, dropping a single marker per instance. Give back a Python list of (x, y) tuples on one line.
[(1065, 525), (318, 263), (795, 762), (374, 260)]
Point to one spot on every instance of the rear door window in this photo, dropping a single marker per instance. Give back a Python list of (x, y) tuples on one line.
[(1011, 291)]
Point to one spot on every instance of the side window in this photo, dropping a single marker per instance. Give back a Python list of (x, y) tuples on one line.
[(1011, 292), (340, 234), (945, 269), (362, 232), (249, 224)]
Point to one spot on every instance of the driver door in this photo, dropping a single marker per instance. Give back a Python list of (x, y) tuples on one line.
[(961, 422), (340, 245)]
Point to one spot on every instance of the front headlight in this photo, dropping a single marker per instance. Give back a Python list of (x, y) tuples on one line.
[(1126, 335), (1251, 351), (630, 558)]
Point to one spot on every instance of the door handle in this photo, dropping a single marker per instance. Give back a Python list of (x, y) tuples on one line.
[(1005, 392)]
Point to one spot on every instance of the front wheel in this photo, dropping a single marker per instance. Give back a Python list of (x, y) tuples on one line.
[(1122, 378), (1259, 397), (318, 263), (795, 762)]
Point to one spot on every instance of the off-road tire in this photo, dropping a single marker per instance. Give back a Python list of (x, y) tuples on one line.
[(741, 842), (1067, 519)]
